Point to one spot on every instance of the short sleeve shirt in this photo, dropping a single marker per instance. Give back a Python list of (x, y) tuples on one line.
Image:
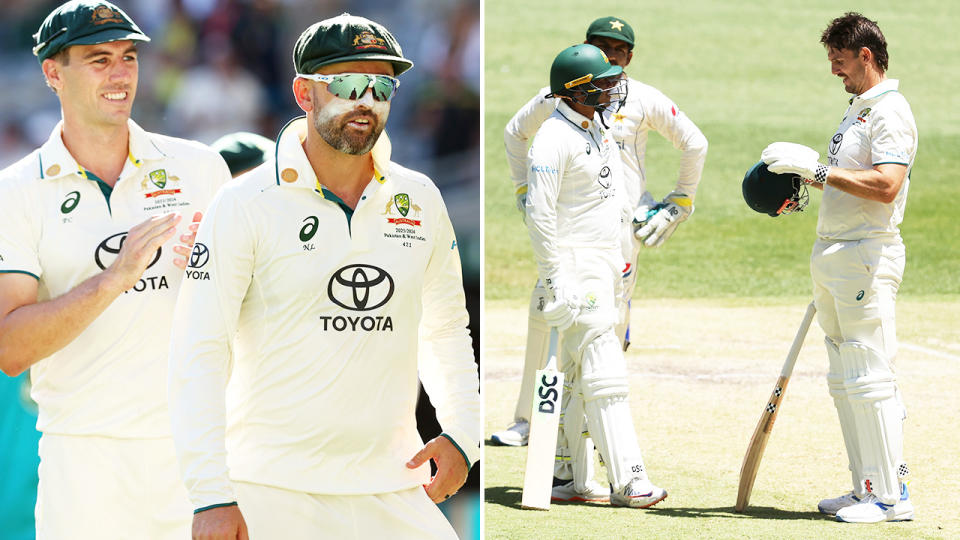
[(877, 128)]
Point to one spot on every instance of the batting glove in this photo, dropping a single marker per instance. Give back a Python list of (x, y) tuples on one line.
[(563, 309), (791, 158), (671, 212)]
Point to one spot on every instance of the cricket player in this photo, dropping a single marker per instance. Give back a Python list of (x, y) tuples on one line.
[(321, 284), (645, 109), (89, 272), (857, 264), (574, 208)]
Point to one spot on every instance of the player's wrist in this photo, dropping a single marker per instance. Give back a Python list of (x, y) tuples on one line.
[(214, 506), (110, 282), (820, 173)]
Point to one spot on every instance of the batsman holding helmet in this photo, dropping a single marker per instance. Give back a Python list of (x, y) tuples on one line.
[(574, 207), (857, 264)]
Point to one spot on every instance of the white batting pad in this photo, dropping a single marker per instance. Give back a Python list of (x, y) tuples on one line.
[(838, 391), (574, 446), (877, 414), (604, 386)]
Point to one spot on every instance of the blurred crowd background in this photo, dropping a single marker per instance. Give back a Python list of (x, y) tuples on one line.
[(215, 67)]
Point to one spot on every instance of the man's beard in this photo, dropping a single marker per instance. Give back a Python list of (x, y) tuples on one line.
[(331, 123)]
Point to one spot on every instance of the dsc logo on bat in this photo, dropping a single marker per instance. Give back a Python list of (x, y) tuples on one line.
[(548, 394)]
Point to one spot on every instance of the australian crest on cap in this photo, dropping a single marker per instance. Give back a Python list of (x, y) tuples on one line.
[(366, 40), (104, 14)]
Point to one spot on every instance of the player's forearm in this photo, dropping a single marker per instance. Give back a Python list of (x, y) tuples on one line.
[(544, 246), (34, 331), (517, 160), (871, 184), (691, 163), (449, 376), (197, 394)]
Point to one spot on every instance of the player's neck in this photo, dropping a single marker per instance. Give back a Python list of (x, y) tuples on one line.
[(102, 150), (871, 78), (346, 175), (585, 111)]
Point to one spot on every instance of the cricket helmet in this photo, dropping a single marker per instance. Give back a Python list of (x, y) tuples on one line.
[(577, 68), (774, 194)]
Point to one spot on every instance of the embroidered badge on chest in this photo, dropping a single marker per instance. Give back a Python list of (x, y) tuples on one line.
[(402, 213), (161, 191)]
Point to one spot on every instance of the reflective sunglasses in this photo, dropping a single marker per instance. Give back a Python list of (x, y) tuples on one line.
[(354, 85)]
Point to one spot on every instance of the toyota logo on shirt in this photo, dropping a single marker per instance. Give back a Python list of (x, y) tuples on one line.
[(360, 287), (199, 256), (835, 143), (108, 250), (604, 179)]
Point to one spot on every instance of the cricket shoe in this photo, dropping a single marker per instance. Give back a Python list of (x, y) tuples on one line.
[(871, 510), (565, 490), (515, 435), (831, 506), (637, 494)]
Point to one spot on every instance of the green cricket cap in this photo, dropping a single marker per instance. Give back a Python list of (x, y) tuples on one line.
[(243, 150), (611, 27), (347, 38), (83, 22)]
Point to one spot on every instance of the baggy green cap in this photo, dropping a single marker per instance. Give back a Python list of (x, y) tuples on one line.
[(347, 38), (611, 27), (243, 150), (83, 22)]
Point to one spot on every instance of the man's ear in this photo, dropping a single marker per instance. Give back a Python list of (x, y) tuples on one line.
[(303, 93), (52, 72)]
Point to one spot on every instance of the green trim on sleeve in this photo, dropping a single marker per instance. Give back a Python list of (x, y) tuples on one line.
[(462, 453), (212, 506), (891, 163), (36, 277)]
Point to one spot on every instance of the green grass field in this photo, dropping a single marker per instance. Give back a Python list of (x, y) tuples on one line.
[(718, 304)]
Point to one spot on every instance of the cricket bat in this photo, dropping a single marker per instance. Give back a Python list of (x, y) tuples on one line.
[(758, 442), (544, 422)]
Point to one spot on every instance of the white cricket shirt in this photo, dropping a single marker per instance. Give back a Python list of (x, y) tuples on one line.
[(877, 128), (61, 225), (645, 109), (320, 324), (573, 178)]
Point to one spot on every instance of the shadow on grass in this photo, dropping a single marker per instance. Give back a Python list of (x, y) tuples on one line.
[(753, 512), (509, 497)]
